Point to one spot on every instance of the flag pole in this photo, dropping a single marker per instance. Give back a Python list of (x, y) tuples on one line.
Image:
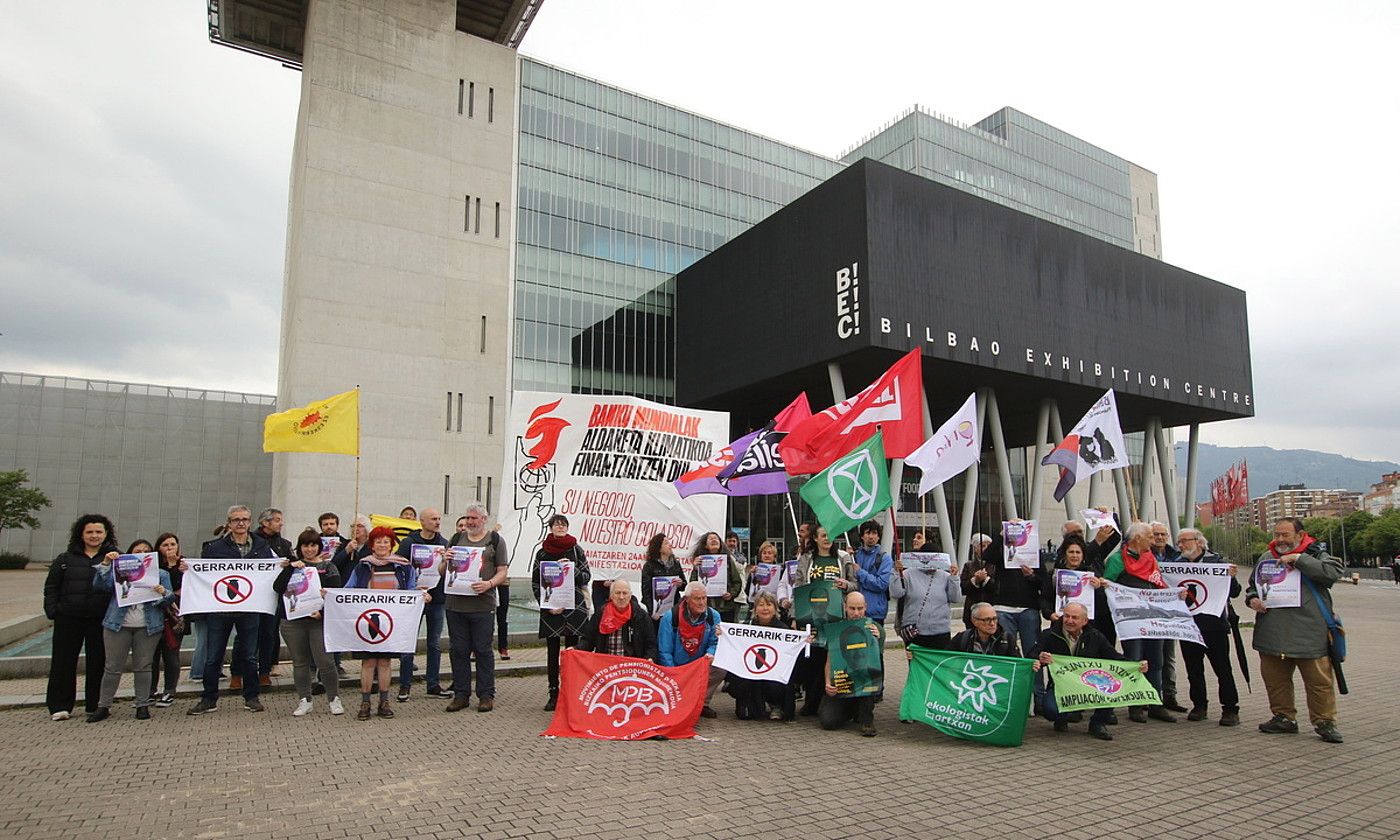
[(358, 436)]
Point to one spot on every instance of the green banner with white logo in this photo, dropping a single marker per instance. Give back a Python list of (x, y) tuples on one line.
[(853, 656), (1097, 683), (853, 489), (968, 695)]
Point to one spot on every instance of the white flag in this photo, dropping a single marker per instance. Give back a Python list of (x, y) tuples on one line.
[(1207, 585), (380, 621), (1095, 443), (224, 586), (952, 449), (758, 653)]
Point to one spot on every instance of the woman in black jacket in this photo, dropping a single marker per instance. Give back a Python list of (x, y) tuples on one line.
[(76, 609), (560, 627)]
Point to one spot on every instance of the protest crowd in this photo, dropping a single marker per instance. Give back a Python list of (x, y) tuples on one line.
[(1089, 627)]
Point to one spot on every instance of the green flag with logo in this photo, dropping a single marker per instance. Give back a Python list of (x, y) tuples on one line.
[(853, 489), (853, 655), (968, 695), (1095, 683)]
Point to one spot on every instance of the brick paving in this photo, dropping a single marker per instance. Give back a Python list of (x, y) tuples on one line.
[(429, 774)]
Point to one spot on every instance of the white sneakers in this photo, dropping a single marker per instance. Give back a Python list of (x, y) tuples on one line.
[(303, 707), (336, 707), (60, 716)]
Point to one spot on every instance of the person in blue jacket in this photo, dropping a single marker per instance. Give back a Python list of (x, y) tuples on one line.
[(688, 632), (129, 631), (874, 569)]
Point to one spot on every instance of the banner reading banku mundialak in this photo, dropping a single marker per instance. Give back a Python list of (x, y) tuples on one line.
[(222, 586), (606, 463), (372, 620)]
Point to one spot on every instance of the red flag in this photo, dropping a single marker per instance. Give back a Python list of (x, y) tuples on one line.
[(617, 698), (797, 412), (893, 403), (1217, 497), (1242, 491)]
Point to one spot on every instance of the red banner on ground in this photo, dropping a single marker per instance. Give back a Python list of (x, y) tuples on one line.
[(618, 698)]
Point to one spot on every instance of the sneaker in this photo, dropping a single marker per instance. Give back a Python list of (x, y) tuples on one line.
[(143, 712), (203, 707), (459, 703), (1327, 731), (1278, 724), (554, 701), (302, 708), (867, 730), (364, 711), (1100, 732), (1196, 714), (98, 715), (440, 692), (337, 707), (60, 716), (265, 680), (708, 712), (403, 695), (1137, 714), (486, 705), (165, 700), (1230, 719), (385, 710), (253, 704)]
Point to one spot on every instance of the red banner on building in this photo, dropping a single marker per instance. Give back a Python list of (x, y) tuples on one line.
[(618, 698)]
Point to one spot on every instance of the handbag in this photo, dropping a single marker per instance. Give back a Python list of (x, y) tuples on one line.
[(1336, 635)]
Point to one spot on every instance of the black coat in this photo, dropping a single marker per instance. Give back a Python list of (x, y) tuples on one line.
[(638, 634), (224, 548), (1002, 644), (1092, 644), (68, 590), (569, 622), (1013, 587)]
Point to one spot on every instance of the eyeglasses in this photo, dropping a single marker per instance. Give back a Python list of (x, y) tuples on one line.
[(240, 519), (986, 618)]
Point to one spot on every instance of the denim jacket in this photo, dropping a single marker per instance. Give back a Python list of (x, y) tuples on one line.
[(155, 610)]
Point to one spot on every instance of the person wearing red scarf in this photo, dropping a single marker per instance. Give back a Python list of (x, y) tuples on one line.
[(560, 626), (1133, 564), (688, 632), (621, 627)]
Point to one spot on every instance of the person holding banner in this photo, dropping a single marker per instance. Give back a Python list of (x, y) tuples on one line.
[(168, 651), (820, 560), (1072, 555), (1297, 637), (621, 627), (776, 583), (305, 636), (347, 554), (727, 605), (836, 710), (1072, 635), (1215, 630), (130, 629), (689, 632), (238, 542), (560, 626), (434, 611), (926, 592), (661, 562), (469, 616), (765, 699), (1134, 565), (381, 570)]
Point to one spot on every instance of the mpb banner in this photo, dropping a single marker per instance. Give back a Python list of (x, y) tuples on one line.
[(382, 622), (1151, 614), (759, 653), (1207, 585), (1096, 683), (223, 586), (617, 698), (979, 698)]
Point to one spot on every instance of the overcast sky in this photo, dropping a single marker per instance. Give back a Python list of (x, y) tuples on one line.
[(144, 199)]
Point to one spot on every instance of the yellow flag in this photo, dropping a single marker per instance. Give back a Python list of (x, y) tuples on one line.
[(401, 527), (329, 425)]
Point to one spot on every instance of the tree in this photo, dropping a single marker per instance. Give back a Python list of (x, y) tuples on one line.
[(1382, 536), (19, 503)]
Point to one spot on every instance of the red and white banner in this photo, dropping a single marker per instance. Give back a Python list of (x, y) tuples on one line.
[(617, 698), (374, 621), (893, 403), (225, 586), (759, 653), (607, 464)]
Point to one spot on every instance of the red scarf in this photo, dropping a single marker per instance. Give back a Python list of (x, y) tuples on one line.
[(613, 618), (559, 546), (691, 634), (1144, 566), (1302, 546)]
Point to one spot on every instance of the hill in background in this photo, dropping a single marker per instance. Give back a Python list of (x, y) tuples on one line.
[(1268, 468)]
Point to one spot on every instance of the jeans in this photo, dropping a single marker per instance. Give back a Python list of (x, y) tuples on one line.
[(1025, 627), (834, 712), (502, 627), (269, 645), (201, 648), (469, 635), (1051, 710), (132, 643), (1217, 650), (1169, 669), (436, 617), (306, 642), (72, 636), (245, 652), (1151, 650)]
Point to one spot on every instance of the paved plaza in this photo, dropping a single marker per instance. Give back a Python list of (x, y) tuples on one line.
[(429, 774)]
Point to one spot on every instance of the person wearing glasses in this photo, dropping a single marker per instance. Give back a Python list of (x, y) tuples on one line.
[(987, 636), (1215, 630)]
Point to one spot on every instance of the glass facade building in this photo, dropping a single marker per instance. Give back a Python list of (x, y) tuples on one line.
[(150, 457)]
